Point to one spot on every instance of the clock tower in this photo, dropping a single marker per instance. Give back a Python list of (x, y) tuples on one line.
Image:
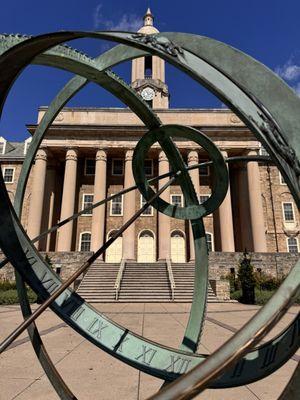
[(148, 73)]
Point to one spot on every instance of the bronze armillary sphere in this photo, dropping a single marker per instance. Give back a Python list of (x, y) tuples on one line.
[(271, 111)]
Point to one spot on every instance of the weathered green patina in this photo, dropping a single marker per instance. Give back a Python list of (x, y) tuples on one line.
[(256, 95)]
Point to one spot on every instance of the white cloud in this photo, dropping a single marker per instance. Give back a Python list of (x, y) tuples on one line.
[(290, 71), (128, 22)]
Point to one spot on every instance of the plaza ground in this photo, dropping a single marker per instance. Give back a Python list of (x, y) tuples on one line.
[(93, 374)]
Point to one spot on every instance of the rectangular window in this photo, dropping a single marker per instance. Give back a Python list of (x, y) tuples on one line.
[(87, 200), (203, 169), (85, 241), (203, 198), (288, 212), (292, 244), (8, 175), (117, 166), (116, 206), (149, 210), (148, 167), (90, 164), (177, 200)]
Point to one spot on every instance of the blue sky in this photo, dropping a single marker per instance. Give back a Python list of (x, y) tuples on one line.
[(267, 30)]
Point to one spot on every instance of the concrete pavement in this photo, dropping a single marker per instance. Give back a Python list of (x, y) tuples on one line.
[(93, 374)]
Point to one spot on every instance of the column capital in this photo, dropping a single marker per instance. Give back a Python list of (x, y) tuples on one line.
[(193, 157), (101, 155), (129, 155), (224, 152), (162, 157), (71, 154), (252, 152), (41, 154)]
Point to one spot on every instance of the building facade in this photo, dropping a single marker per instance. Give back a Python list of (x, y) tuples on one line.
[(87, 155)]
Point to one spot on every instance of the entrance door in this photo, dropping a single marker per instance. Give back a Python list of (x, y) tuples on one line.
[(178, 247), (146, 247), (114, 252)]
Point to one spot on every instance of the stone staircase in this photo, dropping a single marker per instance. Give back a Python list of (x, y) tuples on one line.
[(145, 282), (142, 282), (184, 280), (97, 286)]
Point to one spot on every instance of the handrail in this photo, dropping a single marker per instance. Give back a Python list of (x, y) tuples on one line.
[(119, 278), (171, 278)]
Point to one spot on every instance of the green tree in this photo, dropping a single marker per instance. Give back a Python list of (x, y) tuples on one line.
[(247, 279)]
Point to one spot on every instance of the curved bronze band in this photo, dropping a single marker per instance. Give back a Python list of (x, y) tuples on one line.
[(264, 130)]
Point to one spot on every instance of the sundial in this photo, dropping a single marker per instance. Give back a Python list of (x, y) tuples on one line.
[(268, 107)]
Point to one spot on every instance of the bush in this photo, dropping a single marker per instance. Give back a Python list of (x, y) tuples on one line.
[(261, 296), (9, 295), (267, 282), (6, 285)]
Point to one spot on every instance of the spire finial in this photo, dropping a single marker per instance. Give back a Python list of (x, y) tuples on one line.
[(148, 18)]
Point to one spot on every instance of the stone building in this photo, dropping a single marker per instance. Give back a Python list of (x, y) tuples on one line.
[(87, 155)]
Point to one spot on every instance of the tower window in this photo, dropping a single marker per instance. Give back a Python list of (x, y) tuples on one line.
[(288, 212), (292, 245), (148, 67)]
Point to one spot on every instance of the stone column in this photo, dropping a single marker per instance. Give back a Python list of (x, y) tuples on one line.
[(244, 214), (164, 244), (194, 173), (226, 222), (37, 195), (68, 201), (129, 210), (256, 207), (51, 180), (98, 218)]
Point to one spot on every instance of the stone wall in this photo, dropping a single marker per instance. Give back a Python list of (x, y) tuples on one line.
[(220, 263)]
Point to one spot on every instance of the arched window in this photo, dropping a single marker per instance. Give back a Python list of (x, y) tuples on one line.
[(292, 245), (210, 241), (85, 241)]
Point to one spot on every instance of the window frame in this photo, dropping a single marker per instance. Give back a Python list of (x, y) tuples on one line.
[(26, 145), (85, 166), (176, 194), (141, 205), (13, 175), (152, 167), (283, 212), (111, 204), (287, 244), (212, 241), (80, 241), (4, 141), (83, 202), (207, 195), (112, 166), (207, 166)]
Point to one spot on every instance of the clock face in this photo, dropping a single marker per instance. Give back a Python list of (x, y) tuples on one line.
[(147, 93)]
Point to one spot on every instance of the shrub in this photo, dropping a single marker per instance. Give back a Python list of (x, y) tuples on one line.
[(267, 282), (11, 296), (6, 285), (246, 277)]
